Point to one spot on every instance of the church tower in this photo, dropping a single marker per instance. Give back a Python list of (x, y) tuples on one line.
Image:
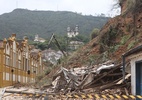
[(76, 30), (69, 32), (36, 37), (72, 32)]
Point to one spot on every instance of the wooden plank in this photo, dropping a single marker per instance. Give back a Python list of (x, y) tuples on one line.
[(107, 86), (7, 94), (2, 90), (111, 70), (115, 74), (126, 77)]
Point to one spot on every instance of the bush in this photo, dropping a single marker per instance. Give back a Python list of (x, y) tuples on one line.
[(94, 33), (107, 40)]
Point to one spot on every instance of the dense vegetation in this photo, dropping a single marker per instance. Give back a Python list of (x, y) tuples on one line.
[(26, 22), (63, 42)]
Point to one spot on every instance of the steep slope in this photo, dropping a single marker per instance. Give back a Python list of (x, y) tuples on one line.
[(26, 22), (118, 35)]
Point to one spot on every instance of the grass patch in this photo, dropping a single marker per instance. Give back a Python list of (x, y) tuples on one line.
[(113, 48), (131, 44), (124, 39)]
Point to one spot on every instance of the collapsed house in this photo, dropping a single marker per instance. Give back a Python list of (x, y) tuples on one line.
[(97, 78), (126, 76)]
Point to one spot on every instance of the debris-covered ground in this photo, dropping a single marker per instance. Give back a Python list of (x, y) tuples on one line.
[(20, 92), (101, 79), (86, 72)]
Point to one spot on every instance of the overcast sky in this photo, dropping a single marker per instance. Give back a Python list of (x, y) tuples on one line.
[(86, 7)]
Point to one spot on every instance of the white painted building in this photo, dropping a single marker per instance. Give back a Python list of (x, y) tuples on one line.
[(72, 32), (39, 39), (135, 69), (73, 45)]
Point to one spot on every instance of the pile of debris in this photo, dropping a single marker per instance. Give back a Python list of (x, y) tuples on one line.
[(99, 79), (20, 92)]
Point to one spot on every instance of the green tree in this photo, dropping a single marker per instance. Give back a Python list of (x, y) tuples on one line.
[(26, 22), (42, 46)]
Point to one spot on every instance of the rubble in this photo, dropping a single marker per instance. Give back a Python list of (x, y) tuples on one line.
[(98, 79), (21, 93)]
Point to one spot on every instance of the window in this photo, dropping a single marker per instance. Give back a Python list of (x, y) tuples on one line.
[(23, 64), (19, 64), (3, 75), (36, 71), (7, 61), (32, 69), (19, 55), (14, 59), (26, 65), (7, 49), (7, 76), (32, 62)]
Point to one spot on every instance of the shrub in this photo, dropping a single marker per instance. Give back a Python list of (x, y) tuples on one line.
[(107, 40), (94, 33)]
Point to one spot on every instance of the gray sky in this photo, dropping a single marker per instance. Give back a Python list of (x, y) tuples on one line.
[(86, 7)]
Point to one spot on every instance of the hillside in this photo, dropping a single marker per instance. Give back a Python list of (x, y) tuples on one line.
[(26, 22), (118, 35)]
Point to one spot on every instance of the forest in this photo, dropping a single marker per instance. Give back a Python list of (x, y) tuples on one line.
[(25, 22)]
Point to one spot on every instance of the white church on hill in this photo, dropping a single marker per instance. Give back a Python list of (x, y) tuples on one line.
[(73, 45), (39, 39), (72, 32)]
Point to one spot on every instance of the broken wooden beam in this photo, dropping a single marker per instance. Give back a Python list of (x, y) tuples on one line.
[(115, 74), (107, 86)]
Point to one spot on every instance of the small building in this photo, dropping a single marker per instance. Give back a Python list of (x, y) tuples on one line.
[(39, 39), (134, 56), (73, 45), (17, 62)]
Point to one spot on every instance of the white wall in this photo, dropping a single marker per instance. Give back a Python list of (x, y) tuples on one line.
[(133, 73)]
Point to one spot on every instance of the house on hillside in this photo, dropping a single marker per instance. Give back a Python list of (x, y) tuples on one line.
[(39, 39), (135, 69), (73, 45), (17, 62)]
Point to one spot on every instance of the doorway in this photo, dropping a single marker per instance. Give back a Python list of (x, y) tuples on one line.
[(139, 78)]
